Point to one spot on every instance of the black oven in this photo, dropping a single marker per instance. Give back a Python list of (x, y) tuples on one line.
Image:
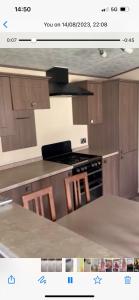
[(94, 172), (92, 164)]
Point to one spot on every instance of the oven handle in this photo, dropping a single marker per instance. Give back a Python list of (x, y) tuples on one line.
[(94, 172), (94, 188)]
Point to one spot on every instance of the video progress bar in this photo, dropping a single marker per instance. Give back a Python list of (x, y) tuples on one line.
[(70, 40), (69, 296)]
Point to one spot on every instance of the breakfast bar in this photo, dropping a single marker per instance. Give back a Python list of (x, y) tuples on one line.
[(110, 221), (27, 235)]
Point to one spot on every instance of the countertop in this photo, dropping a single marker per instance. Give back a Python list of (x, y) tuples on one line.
[(24, 174), (17, 176), (90, 151), (28, 235), (110, 221)]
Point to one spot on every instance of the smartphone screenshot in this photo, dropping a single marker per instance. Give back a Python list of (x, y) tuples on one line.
[(69, 187)]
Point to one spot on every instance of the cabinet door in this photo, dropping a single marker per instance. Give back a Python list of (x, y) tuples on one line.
[(128, 177), (41, 184), (25, 133), (95, 103), (88, 109), (17, 193), (6, 113), (104, 137), (57, 182), (39, 94), (128, 116), (111, 175), (29, 93)]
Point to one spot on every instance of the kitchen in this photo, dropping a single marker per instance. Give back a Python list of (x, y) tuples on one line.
[(105, 124)]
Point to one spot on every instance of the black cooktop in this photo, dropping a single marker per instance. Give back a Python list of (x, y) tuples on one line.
[(62, 153), (72, 158)]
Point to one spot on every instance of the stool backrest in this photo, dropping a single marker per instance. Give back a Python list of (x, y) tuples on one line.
[(74, 181), (37, 198)]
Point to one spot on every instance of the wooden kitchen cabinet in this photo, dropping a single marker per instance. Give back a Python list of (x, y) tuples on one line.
[(29, 93), (17, 193), (104, 137), (128, 116), (119, 130), (56, 181), (7, 126), (25, 132), (88, 109), (110, 171), (128, 174)]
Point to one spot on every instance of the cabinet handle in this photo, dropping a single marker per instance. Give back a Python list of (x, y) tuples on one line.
[(33, 104), (121, 154), (91, 121), (27, 188), (105, 161)]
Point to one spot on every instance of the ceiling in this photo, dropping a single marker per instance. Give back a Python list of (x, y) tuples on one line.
[(79, 61)]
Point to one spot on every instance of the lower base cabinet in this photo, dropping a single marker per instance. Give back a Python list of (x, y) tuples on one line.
[(110, 167), (56, 181), (17, 193), (120, 175), (128, 174)]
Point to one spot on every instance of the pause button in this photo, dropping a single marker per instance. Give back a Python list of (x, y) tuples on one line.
[(70, 280)]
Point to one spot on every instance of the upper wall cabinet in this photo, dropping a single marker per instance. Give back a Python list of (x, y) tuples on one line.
[(6, 113), (119, 130), (88, 109), (25, 133), (128, 116), (29, 93)]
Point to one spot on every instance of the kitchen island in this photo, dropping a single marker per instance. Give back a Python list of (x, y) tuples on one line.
[(27, 235), (110, 221)]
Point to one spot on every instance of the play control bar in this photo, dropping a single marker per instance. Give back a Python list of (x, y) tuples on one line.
[(69, 296)]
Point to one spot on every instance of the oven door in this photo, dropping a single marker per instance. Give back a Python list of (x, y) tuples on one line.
[(95, 185)]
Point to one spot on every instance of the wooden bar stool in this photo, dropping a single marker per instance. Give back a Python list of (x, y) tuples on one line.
[(75, 181), (37, 199)]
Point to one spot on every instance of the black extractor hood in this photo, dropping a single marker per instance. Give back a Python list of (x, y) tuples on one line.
[(60, 86)]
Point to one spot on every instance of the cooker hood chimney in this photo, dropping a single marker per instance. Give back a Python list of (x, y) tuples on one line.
[(60, 86)]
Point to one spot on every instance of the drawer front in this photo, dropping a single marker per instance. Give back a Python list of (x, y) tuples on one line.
[(17, 193), (25, 189)]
